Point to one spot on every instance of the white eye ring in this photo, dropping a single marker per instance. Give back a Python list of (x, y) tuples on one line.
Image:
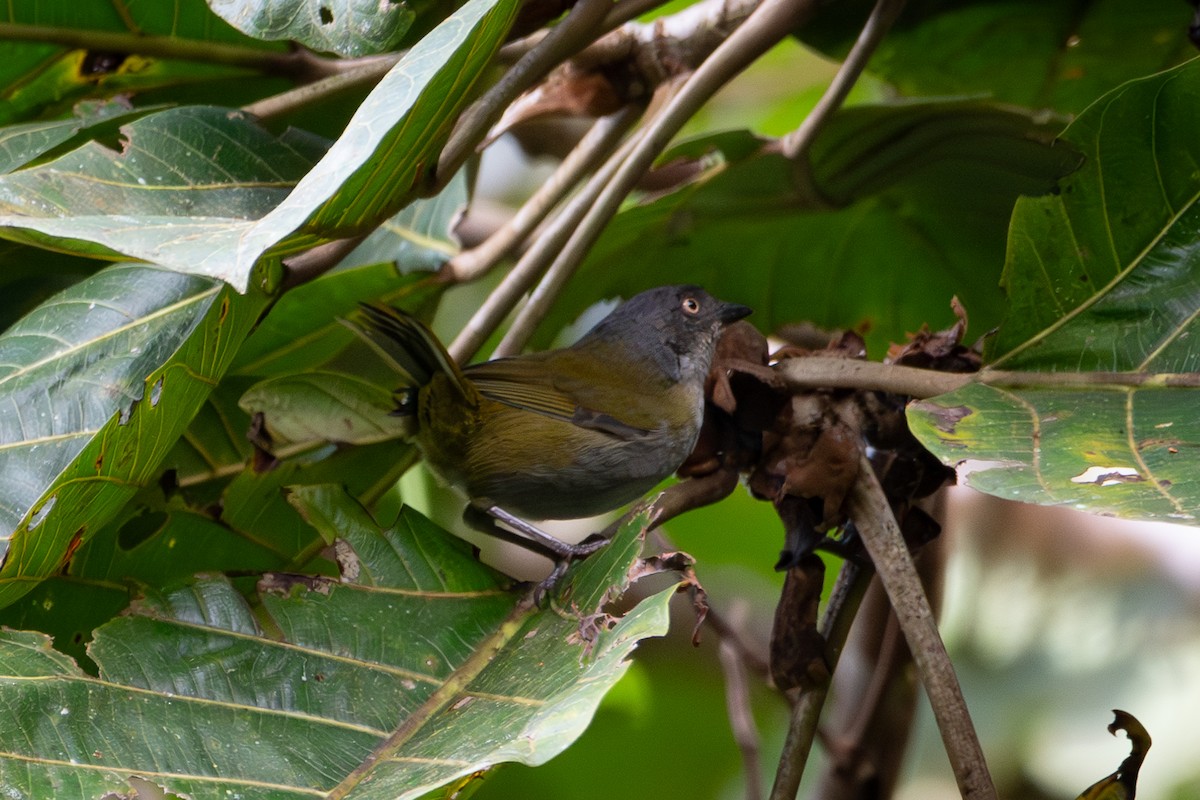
[(690, 305)]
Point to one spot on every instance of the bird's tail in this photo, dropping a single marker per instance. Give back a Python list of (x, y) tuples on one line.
[(409, 347)]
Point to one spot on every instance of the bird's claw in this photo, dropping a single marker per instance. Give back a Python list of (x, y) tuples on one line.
[(562, 563)]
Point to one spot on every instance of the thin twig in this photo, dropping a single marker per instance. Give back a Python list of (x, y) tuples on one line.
[(578, 27), (596, 144), (366, 72), (313, 263), (298, 64), (625, 10), (797, 143), (670, 45), (621, 12), (881, 536), (737, 703), (727, 632), (844, 600), (501, 301), (771, 21)]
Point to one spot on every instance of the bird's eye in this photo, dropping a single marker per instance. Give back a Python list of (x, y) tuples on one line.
[(691, 305)]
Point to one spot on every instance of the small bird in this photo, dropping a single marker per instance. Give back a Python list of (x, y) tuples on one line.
[(560, 434)]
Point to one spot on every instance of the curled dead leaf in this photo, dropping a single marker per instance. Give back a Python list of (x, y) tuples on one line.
[(1122, 784), (797, 647)]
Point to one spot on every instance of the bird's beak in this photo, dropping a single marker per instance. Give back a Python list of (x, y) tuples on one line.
[(732, 312)]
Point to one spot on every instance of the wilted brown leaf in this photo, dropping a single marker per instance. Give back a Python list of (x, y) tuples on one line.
[(1122, 784)]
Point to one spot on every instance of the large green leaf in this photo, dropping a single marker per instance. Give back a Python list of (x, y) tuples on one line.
[(420, 237), (911, 206), (21, 144), (1104, 278), (238, 522), (1055, 55), (377, 166), (201, 162), (415, 669), (302, 331), (97, 383), (186, 181), (347, 27), (211, 207)]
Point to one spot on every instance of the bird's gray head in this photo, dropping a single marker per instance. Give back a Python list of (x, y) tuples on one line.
[(674, 326)]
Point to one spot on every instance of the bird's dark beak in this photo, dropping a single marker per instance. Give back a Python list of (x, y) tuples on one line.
[(732, 312)]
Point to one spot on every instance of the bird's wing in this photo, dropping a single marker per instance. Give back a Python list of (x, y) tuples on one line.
[(522, 383)]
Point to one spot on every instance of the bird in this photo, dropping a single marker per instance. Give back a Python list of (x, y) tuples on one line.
[(558, 434)]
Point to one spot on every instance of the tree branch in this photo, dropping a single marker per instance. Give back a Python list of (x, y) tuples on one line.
[(559, 44), (364, 72), (737, 703), (806, 374), (770, 22), (881, 536), (313, 263), (844, 600), (597, 144), (516, 283), (302, 65), (797, 143)]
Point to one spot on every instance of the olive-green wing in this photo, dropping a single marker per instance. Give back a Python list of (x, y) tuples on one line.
[(523, 383)]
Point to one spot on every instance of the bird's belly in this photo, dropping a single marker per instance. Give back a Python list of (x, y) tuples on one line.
[(587, 472)]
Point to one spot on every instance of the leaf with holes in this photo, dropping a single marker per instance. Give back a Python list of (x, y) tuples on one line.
[(96, 385), (22, 144), (1103, 277), (350, 28), (418, 668)]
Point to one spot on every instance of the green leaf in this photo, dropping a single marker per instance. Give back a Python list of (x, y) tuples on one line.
[(1104, 277), (97, 384), (1054, 55), (1098, 275), (420, 237), (186, 180), (21, 144), (68, 610), (415, 669), (1116, 451), (182, 162), (220, 220), (923, 189), (377, 166), (215, 444), (302, 331), (324, 406), (237, 523), (350, 28)]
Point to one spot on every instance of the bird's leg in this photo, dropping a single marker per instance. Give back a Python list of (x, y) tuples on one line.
[(484, 516)]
